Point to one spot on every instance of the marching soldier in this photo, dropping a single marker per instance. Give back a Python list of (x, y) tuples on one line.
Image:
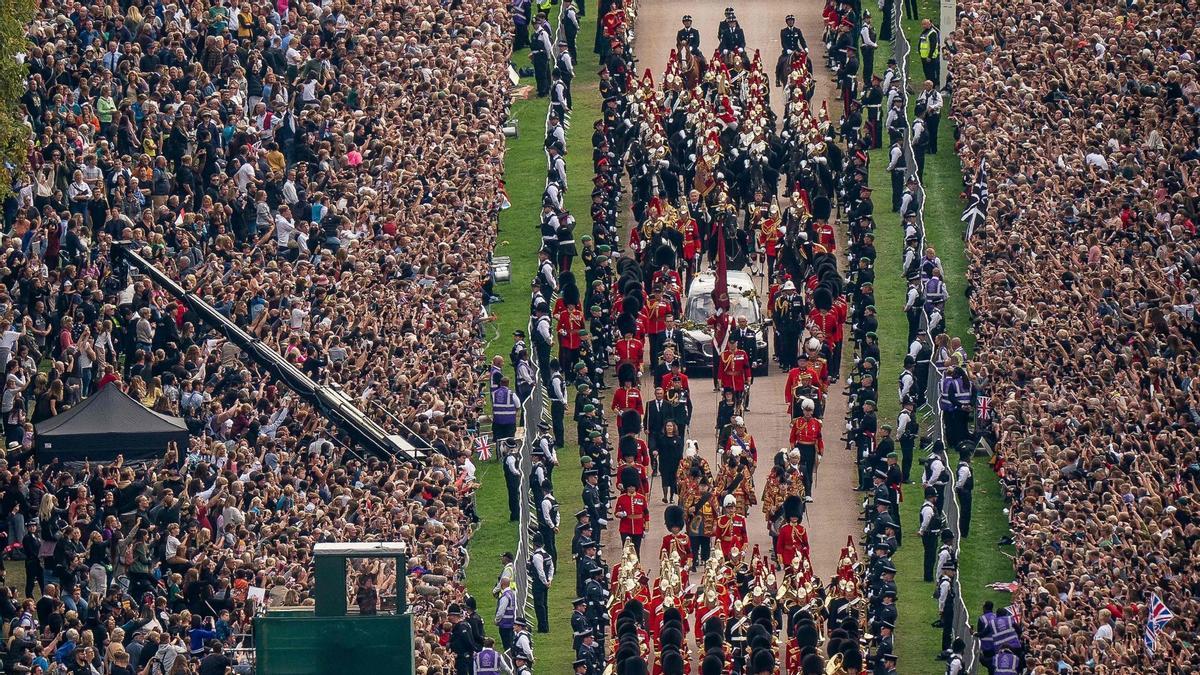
[(806, 436), (735, 371)]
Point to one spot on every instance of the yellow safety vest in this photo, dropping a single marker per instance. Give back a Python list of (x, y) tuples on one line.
[(927, 49)]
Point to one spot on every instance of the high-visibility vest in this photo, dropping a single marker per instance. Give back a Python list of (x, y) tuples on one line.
[(487, 662), (926, 48)]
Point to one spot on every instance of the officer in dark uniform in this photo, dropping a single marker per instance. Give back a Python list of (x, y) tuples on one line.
[(548, 519), (596, 509), (733, 38), (540, 48), (579, 622), (589, 652), (597, 602), (584, 564), (888, 659), (930, 528), (688, 34), (584, 531), (791, 40), (872, 101), (512, 480), (462, 642), (964, 486), (946, 598), (541, 575)]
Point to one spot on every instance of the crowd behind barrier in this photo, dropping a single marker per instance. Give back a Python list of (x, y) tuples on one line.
[(327, 176), (1083, 288)]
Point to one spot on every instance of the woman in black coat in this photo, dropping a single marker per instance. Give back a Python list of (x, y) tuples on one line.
[(670, 453)]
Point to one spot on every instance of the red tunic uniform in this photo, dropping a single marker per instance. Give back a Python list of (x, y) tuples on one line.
[(627, 398), (768, 237), (634, 514), (731, 533), (669, 380), (807, 431), (691, 239), (792, 541), (735, 370), (654, 317), (677, 542), (630, 350), (829, 322), (825, 236), (570, 322)]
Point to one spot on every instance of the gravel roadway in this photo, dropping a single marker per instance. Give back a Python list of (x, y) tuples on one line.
[(833, 514)]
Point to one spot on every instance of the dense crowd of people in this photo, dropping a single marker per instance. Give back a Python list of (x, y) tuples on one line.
[(323, 174), (1084, 293)]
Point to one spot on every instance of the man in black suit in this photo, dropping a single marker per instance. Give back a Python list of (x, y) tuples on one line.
[(654, 422), (673, 336)]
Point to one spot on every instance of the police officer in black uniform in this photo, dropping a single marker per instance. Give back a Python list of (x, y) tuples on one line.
[(688, 34), (791, 40), (930, 527), (964, 487)]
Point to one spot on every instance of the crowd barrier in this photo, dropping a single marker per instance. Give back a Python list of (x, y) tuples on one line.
[(930, 415)]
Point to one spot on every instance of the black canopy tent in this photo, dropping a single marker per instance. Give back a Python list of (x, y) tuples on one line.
[(107, 424)]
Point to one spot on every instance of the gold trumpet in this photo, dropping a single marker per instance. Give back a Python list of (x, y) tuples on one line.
[(834, 665)]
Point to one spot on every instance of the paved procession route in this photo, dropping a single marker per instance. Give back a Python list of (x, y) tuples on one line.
[(833, 514)]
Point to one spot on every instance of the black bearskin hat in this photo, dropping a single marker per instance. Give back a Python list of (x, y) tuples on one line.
[(713, 641), (627, 374), (672, 615), (630, 477), (822, 298), (812, 665), (673, 518), (821, 207), (793, 507), (671, 636), (627, 446), (631, 421), (711, 665), (763, 662), (672, 663), (570, 293)]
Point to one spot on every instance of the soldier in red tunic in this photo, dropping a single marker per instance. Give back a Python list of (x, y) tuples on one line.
[(627, 396), (806, 437), (731, 527), (734, 371), (676, 540), (793, 538), (632, 509)]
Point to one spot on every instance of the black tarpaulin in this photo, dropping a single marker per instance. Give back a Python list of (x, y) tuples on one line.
[(107, 424)]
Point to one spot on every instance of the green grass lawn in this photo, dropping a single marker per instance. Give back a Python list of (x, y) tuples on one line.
[(981, 561), (519, 238)]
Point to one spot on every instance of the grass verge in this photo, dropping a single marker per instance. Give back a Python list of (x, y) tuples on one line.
[(981, 562), (519, 238)]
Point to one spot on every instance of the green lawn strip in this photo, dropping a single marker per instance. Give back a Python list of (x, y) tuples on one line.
[(918, 643), (519, 238)]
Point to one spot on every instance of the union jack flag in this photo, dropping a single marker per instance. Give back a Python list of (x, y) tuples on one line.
[(1157, 617), (977, 201), (483, 448), (983, 408)]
